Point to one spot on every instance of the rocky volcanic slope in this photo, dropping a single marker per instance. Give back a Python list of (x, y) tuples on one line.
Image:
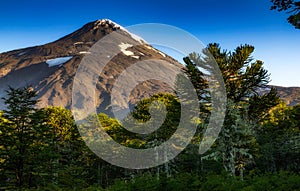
[(290, 95), (50, 68)]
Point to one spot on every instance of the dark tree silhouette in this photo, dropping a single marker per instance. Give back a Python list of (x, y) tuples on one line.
[(291, 7)]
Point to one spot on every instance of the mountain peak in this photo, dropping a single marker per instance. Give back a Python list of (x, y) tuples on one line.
[(107, 23), (94, 31)]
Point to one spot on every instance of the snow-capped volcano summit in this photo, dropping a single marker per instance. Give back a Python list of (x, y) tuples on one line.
[(115, 26), (50, 68)]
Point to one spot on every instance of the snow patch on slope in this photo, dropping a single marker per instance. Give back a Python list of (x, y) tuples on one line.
[(84, 52), (21, 53), (136, 57), (123, 48), (58, 61), (162, 54)]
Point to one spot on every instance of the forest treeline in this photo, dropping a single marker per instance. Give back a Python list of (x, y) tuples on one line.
[(257, 149)]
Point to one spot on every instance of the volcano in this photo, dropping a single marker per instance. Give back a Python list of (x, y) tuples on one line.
[(50, 69)]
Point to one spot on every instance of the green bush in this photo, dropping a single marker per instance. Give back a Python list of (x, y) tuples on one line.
[(282, 181)]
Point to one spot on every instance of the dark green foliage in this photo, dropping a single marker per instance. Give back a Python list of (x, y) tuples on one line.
[(259, 105), (196, 77), (219, 182), (236, 146), (279, 140), (290, 6), (22, 138), (170, 124)]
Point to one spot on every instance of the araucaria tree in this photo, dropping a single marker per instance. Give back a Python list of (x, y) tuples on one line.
[(243, 78)]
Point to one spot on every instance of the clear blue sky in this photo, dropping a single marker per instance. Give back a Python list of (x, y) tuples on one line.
[(228, 22)]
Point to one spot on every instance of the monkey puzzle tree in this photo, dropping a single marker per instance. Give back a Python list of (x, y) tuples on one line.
[(243, 79)]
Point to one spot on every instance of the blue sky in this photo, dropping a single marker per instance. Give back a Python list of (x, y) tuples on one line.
[(228, 22)]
